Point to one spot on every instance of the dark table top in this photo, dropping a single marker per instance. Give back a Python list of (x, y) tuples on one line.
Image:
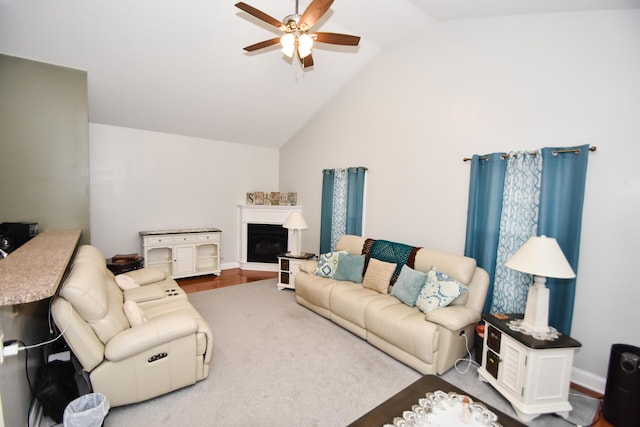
[(563, 341), (403, 400)]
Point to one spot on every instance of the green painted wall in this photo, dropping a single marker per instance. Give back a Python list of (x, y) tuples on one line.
[(44, 178), (44, 145)]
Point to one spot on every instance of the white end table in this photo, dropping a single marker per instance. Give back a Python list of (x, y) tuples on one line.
[(288, 267), (533, 375)]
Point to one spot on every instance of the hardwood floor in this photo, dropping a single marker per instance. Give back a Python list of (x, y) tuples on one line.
[(237, 276), (231, 277)]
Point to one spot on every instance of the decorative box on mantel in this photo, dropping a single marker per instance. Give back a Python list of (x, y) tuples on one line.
[(262, 214)]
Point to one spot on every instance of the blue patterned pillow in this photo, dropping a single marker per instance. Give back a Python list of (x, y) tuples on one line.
[(408, 285), (438, 291), (328, 263), (350, 268)]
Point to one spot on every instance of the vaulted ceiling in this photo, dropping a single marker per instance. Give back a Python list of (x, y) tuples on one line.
[(178, 66)]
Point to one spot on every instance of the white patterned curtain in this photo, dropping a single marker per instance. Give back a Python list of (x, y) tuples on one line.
[(339, 208), (518, 222)]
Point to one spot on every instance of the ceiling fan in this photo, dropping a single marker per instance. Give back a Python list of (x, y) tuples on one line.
[(297, 38)]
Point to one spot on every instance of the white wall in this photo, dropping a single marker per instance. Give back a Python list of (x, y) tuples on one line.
[(478, 86), (143, 180)]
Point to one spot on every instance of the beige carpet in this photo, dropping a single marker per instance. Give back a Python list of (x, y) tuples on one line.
[(276, 363)]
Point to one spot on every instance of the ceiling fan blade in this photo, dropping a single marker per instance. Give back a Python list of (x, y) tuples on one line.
[(262, 44), (260, 15), (307, 61), (335, 38), (314, 11)]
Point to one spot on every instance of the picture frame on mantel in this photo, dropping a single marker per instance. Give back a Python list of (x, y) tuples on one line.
[(275, 198)]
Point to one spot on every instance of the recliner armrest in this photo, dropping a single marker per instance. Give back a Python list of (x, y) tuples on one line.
[(144, 276), (156, 331), (453, 317), (144, 293)]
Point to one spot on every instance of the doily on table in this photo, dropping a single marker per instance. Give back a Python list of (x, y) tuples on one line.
[(440, 409), (550, 335)]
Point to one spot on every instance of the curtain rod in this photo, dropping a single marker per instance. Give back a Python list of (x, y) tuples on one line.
[(554, 152), (352, 167)]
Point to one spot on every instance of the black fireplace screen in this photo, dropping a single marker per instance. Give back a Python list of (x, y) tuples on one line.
[(265, 242)]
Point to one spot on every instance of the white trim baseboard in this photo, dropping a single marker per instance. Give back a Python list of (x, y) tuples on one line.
[(587, 379)]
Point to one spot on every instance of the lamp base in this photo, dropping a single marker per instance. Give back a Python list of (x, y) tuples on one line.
[(536, 314)]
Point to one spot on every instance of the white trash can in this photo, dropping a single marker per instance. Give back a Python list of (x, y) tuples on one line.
[(87, 410)]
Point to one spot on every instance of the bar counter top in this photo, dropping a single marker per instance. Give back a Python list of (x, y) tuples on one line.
[(34, 271)]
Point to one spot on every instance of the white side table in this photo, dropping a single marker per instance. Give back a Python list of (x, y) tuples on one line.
[(288, 267), (533, 375)]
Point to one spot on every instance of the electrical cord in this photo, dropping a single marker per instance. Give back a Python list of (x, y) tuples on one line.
[(470, 360), (28, 347)]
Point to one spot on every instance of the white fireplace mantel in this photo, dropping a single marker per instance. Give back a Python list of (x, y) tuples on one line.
[(262, 214)]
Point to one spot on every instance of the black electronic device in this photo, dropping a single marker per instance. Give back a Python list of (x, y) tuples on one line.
[(15, 234), (622, 392)]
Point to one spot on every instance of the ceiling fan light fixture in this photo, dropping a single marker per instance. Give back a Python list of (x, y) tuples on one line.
[(305, 43), (295, 27), (288, 44)]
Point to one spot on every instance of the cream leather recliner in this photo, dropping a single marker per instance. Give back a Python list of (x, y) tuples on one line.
[(134, 344)]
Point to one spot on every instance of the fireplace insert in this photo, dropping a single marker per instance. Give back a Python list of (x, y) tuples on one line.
[(265, 242)]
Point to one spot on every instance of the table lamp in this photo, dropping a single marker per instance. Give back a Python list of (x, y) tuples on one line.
[(541, 257), (295, 222)]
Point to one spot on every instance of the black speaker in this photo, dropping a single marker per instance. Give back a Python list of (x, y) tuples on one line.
[(621, 405)]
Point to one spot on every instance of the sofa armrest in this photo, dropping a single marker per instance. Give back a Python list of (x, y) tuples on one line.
[(156, 331), (144, 293), (309, 266), (144, 276), (453, 317)]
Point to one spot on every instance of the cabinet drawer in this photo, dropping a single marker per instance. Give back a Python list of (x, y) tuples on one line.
[(184, 239), (158, 241), (208, 238)]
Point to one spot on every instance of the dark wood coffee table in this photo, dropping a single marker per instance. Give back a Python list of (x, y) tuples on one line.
[(393, 407)]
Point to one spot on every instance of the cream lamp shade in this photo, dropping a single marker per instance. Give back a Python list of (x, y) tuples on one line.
[(295, 221), (542, 257)]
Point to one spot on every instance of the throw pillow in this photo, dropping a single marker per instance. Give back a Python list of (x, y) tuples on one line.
[(350, 268), (408, 285), (438, 291), (134, 313), (328, 263), (125, 282), (378, 275)]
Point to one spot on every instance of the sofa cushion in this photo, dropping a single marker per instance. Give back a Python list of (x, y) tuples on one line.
[(349, 268), (404, 327), (315, 291), (378, 275), (459, 267), (352, 244), (328, 263), (438, 291), (348, 303), (408, 285)]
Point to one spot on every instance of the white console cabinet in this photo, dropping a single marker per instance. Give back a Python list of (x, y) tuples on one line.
[(533, 375), (183, 252)]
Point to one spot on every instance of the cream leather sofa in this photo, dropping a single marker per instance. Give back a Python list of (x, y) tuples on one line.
[(168, 347), (429, 343)]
